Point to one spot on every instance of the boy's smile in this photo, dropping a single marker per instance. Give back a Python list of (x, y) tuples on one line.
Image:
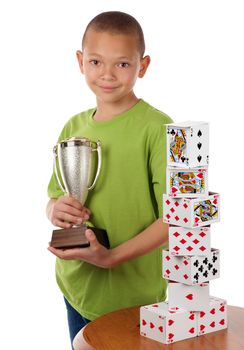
[(111, 64)]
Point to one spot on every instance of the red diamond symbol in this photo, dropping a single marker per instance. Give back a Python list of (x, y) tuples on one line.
[(176, 234), (196, 241), (176, 204), (176, 248), (167, 202), (185, 220), (185, 276), (167, 271), (189, 234), (202, 248), (172, 210), (177, 267), (185, 205), (167, 257), (177, 218), (185, 262), (202, 234), (167, 216), (189, 248), (183, 241)]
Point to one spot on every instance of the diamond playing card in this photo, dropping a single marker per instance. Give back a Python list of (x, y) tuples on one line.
[(191, 212), (167, 326), (190, 183), (213, 317), (189, 241), (188, 144), (192, 298), (191, 270)]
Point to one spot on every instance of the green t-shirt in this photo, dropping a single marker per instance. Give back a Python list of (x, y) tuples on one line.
[(127, 198)]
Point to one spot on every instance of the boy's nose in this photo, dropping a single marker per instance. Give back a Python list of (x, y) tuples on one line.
[(107, 73)]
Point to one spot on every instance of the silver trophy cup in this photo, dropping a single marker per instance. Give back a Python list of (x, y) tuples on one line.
[(77, 165)]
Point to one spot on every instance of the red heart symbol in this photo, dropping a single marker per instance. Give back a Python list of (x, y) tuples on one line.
[(212, 311), (202, 313), (171, 335), (202, 327), (192, 317), (174, 189), (192, 330), (170, 322), (222, 309), (212, 324), (189, 296), (144, 322), (215, 201), (161, 329), (222, 322), (151, 325), (196, 219), (200, 175)]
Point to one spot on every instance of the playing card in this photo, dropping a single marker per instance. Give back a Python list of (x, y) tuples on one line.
[(188, 144), (167, 326), (190, 183), (189, 241), (191, 270), (213, 317), (191, 212), (192, 298)]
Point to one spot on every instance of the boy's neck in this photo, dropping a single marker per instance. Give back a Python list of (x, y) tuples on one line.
[(106, 111)]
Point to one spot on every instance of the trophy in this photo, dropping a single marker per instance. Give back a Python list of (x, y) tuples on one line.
[(79, 163)]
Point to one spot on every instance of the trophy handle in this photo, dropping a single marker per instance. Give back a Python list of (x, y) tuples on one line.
[(55, 167), (99, 154)]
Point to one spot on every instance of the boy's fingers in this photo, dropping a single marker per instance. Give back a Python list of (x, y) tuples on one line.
[(90, 235)]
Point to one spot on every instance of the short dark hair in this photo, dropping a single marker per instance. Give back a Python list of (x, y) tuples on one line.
[(118, 23)]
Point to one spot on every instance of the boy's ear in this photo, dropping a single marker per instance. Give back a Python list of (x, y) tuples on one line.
[(79, 56), (145, 61)]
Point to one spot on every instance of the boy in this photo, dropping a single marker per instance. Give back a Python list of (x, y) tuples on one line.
[(126, 200)]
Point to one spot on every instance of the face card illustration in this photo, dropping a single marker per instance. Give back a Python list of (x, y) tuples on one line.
[(167, 326), (192, 298), (206, 211), (212, 318), (187, 182), (185, 241), (191, 270), (177, 145)]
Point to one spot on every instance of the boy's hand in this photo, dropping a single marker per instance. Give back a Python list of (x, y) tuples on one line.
[(67, 211), (95, 254)]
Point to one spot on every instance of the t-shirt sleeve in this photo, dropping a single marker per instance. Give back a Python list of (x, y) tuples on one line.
[(54, 190), (158, 164)]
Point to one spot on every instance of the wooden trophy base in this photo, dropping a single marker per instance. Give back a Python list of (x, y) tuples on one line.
[(75, 237)]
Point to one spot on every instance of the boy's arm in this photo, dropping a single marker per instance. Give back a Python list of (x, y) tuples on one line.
[(152, 237)]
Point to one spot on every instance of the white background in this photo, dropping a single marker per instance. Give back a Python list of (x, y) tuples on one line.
[(196, 73)]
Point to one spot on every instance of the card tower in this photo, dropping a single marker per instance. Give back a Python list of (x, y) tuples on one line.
[(190, 262)]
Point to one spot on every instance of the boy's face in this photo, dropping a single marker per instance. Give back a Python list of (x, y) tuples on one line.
[(111, 64)]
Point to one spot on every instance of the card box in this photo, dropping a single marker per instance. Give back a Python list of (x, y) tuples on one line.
[(212, 318), (191, 270), (191, 298), (191, 183), (188, 144), (167, 326), (191, 212), (189, 241)]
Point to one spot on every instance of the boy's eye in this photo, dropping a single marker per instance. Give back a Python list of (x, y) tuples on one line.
[(123, 64), (94, 62)]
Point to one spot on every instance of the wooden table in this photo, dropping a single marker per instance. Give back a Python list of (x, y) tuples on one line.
[(120, 330)]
